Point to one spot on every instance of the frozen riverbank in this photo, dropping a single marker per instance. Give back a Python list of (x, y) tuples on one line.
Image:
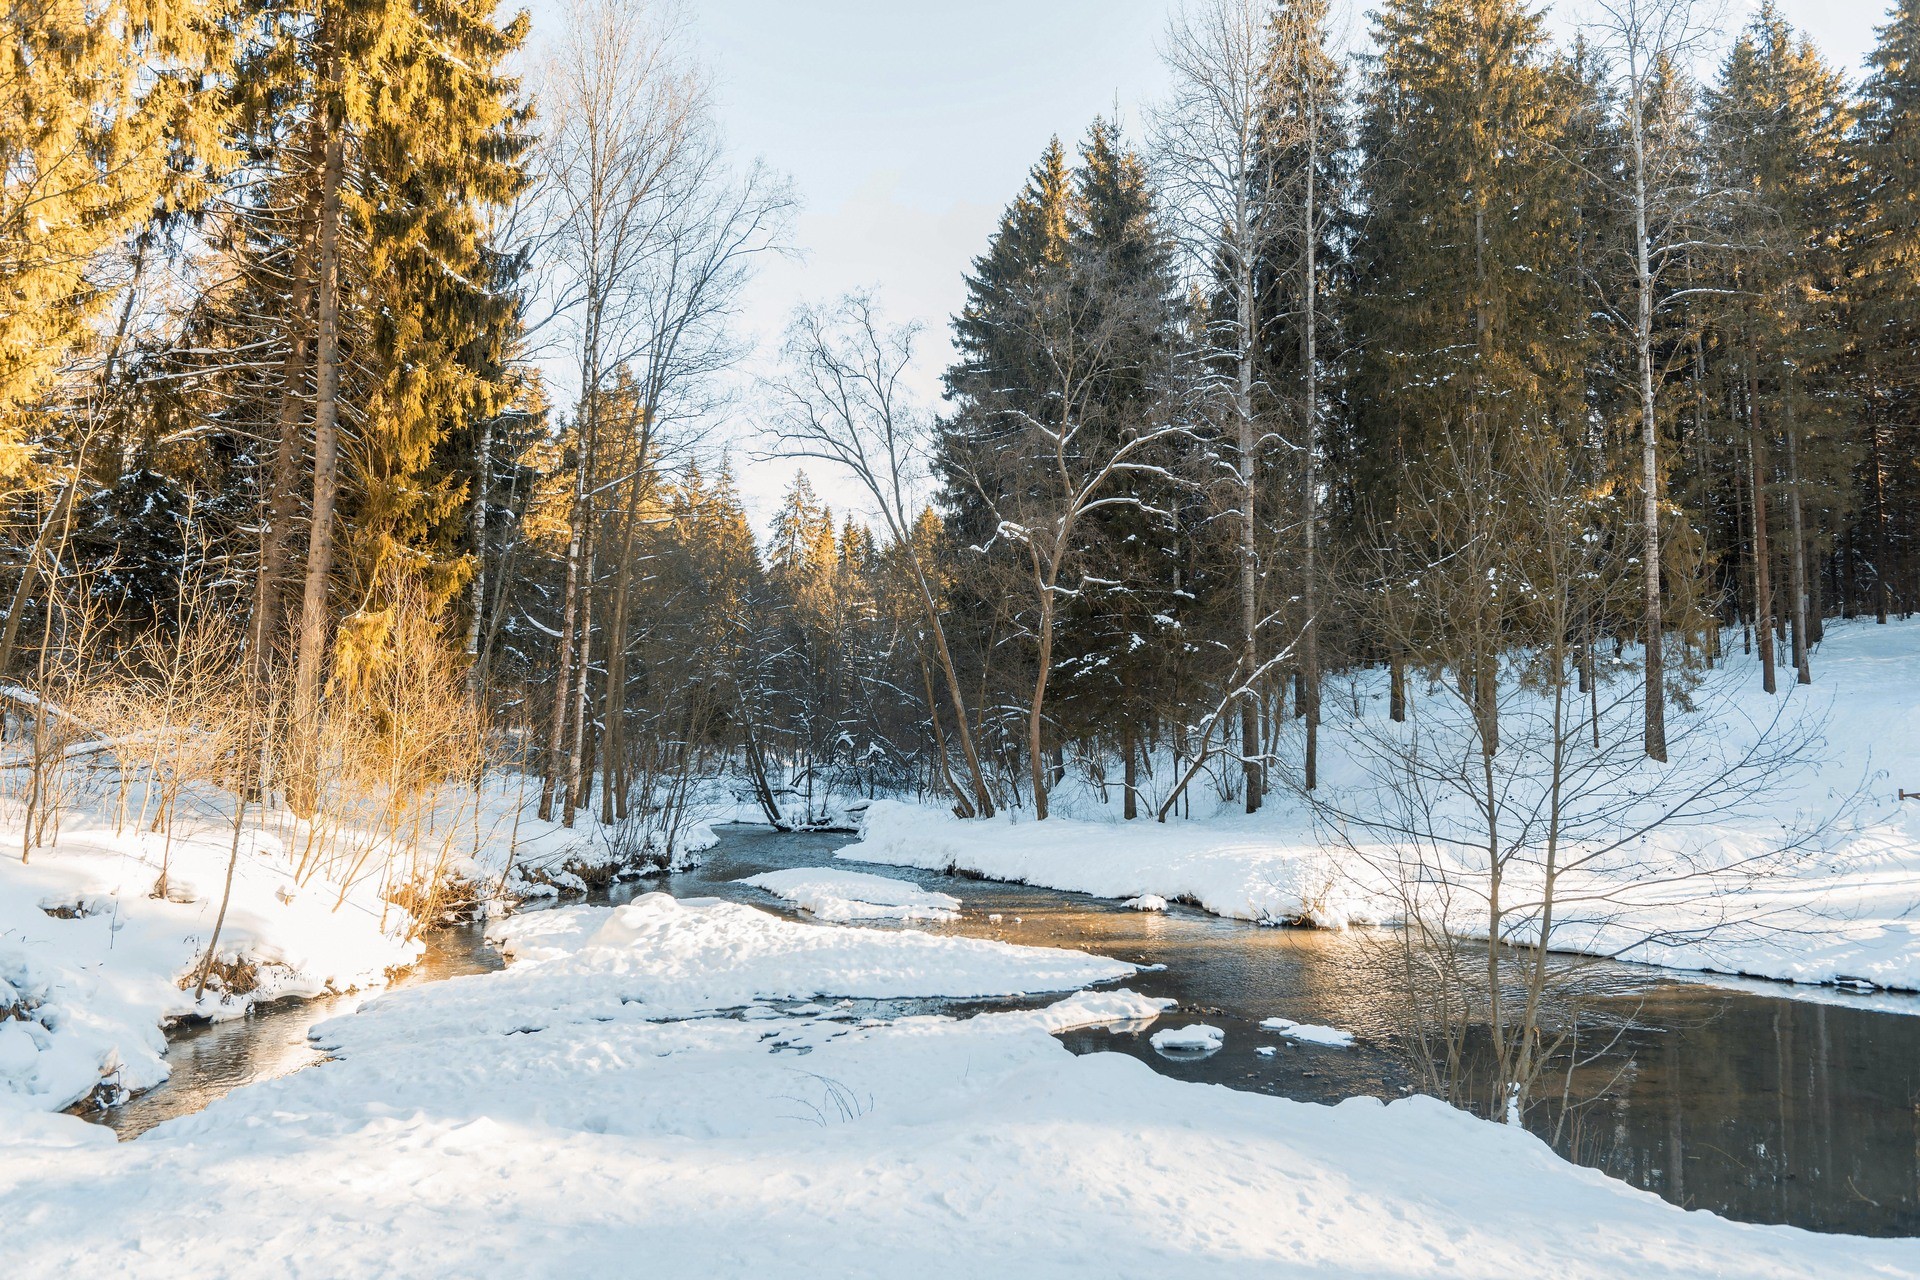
[(1709, 894), (543, 1121), (97, 954)]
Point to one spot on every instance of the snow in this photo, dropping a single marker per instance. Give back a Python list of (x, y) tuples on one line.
[(1843, 907), (90, 994), (531, 1122), (831, 894), (1146, 902), (1198, 1036), (677, 957), (1308, 1033)]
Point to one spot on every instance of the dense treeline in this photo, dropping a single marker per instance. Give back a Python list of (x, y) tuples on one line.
[(1474, 345)]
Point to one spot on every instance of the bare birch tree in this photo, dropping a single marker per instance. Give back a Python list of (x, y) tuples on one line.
[(841, 399), (1650, 41), (1042, 473)]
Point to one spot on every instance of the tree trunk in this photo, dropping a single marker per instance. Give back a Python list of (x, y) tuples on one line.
[(583, 682), (1249, 554), (1762, 579), (269, 586), (570, 607), (310, 673), (982, 798), (961, 807), (1879, 524), (477, 590), (613, 749), (1035, 758), (1655, 717), (1309, 699), (1797, 558)]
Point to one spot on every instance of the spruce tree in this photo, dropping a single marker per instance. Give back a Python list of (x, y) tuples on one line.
[(1777, 120), (1886, 250), (1466, 317)]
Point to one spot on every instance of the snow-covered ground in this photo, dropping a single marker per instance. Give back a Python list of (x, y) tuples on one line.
[(545, 1121), (1710, 894), (678, 958), (828, 893), (92, 964)]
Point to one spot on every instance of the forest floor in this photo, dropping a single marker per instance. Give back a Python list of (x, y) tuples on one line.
[(692, 1087), (1811, 876)]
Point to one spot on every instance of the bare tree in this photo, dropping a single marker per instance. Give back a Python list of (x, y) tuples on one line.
[(1211, 151), (841, 400), (1042, 473), (1551, 833), (624, 111), (715, 225), (1651, 41)]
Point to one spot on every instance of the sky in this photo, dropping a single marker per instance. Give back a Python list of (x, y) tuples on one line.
[(907, 125)]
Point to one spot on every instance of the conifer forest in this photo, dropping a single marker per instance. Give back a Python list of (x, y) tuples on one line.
[(1412, 524)]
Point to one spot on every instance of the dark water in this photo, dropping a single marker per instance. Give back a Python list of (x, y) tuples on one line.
[(1758, 1107)]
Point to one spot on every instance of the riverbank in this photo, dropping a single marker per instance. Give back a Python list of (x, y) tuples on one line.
[(102, 936), (590, 1105), (1808, 875), (104, 929)]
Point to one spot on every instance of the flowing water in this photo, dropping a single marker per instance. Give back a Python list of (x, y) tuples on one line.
[(1755, 1105)]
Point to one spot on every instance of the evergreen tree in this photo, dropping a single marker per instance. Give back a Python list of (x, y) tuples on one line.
[(1777, 121), (108, 120), (1886, 249), (1467, 319)]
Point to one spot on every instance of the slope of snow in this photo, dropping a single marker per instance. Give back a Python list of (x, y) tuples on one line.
[(528, 1123), (830, 894), (90, 987), (1746, 891)]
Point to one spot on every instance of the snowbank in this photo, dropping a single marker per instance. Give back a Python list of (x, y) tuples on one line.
[(1845, 908), (531, 1123), (1226, 868), (92, 964), (829, 894)]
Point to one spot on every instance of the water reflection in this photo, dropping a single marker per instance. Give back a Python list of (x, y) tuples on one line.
[(1758, 1107)]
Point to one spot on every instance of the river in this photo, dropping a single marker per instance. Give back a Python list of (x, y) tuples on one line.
[(1756, 1104)]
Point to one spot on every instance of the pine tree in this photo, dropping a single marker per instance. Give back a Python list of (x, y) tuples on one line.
[(1465, 313), (1777, 120), (108, 119), (1886, 250)]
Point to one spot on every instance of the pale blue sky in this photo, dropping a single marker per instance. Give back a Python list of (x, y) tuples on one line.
[(906, 125)]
